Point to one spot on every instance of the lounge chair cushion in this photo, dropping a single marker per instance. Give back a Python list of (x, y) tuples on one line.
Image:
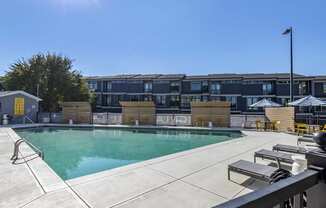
[(272, 155), (305, 139), (258, 171), (289, 148)]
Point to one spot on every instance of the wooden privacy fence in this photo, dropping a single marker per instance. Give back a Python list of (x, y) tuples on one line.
[(285, 116), (217, 112), (79, 112), (143, 112)]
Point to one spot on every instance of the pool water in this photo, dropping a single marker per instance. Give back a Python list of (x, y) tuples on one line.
[(74, 152)]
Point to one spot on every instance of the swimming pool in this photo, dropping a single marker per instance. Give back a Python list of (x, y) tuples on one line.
[(74, 152)]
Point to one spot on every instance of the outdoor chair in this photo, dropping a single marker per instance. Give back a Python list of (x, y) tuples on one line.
[(289, 148), (259, 125), (305, 139), (323, 128), (301, 128), (261, 172), (271, 155)]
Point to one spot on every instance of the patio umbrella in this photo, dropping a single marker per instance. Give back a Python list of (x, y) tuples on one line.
[(264, 103), (308, 101)]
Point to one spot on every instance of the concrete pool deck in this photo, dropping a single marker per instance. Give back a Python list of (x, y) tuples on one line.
[(193, 178)]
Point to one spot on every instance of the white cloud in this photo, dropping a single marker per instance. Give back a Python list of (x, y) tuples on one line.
[(75, 3)]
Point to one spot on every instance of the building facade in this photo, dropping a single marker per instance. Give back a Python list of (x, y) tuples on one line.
[(173, 93), (19, 106)]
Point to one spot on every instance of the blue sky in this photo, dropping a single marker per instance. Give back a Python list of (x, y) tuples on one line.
[(107, 37)]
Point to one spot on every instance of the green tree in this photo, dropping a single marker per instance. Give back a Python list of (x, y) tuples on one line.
[(50, 76)]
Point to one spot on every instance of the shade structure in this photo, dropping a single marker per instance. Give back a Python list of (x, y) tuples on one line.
[(264, 103), (307, 102)]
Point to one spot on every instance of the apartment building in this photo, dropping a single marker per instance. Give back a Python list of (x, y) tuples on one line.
[(172, 93)]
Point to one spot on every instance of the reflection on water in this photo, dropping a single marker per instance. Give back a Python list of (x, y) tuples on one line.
[(77, 152)]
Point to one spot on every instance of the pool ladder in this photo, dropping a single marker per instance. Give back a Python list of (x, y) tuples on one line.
[(16, 150)]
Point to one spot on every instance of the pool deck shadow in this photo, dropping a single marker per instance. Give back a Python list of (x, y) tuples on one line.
[(192, 178)]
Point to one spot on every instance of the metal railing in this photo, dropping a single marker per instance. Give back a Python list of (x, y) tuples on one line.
[(28, 119), (16, 150)]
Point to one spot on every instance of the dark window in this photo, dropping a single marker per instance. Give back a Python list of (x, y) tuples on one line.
[(205, 98), (324, 88), (195, 86), (205, 87), (284, 101), (185, 100), (107, 86), (147, 98), (175, 86), (148, 86), (174, 100), (267, 88), (233, 101), (160, 99), (215, 98), (215, 88), (135, 98), (98, 100), (303, 88), (98, 87), (251, 100), (92, 85)]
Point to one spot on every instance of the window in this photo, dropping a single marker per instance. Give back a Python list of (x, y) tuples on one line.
[(284, 101), (148, 86), (215, 88), (98, 99), (205, 86), (160, 99), (115, 100), (185, 100), (135, 98), (147, 98), (106, 100), (215, 98), (205, 98), (233, 101), (195, 86), (267, 88), (107, 86), (175, 86), (92, 85), (174, 100), (303, 88), (324, 87), (98, 86), (251, 100)]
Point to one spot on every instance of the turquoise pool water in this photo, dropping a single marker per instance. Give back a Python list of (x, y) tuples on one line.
[(77, 152)]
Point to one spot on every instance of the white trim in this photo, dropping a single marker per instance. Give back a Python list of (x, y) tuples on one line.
[(23, 93)]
